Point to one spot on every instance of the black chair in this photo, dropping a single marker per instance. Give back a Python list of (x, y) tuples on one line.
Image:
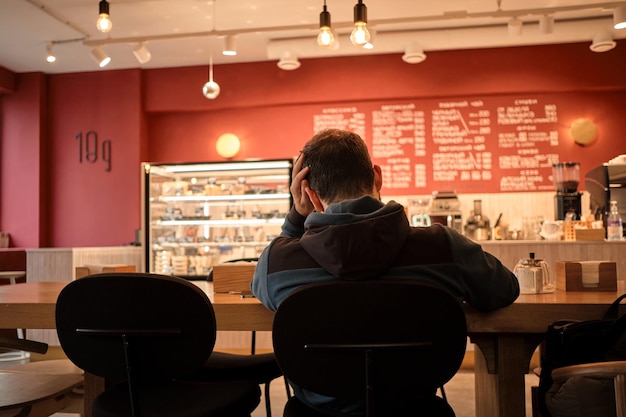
[(259, 367), (144, 333), (387, 345), (262, 368)]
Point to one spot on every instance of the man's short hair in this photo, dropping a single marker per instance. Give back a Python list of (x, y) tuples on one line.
[(340, 165)]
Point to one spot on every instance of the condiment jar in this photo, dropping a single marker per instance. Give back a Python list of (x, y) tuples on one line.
[(533, 275)]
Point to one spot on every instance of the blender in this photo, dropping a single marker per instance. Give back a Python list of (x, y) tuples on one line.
[(566, 176)]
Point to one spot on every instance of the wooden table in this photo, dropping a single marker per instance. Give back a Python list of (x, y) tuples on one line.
[(31, 306), (506, 337), (12, 277)]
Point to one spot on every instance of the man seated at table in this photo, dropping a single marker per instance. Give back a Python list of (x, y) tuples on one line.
[(338, 228)]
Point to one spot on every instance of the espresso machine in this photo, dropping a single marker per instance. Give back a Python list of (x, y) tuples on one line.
[(606, 183), (567, 201), (446, 209)]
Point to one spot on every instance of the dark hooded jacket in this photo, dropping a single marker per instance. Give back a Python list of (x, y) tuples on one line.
[(364, 239)]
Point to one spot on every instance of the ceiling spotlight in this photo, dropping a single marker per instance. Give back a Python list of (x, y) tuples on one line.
[(104, 24), (515, 27), (288, 62), (100, 56), (49, 55), (325, 37), (211, 89), (142, 54), (602, 42), (229, 46), (360, 35), (414, 54), (619, 17), (546, 24)]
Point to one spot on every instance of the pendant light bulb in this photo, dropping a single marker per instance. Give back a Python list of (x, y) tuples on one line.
[(360, 35), (104, 24), (211, 89), (325, 38)]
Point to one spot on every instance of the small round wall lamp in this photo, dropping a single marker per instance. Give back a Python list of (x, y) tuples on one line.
[(228, 145), (583, 131)]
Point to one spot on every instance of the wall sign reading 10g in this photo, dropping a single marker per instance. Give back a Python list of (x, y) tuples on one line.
[(90, 151)]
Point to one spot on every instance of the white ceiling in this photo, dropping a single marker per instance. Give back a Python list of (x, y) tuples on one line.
[(188, 32)]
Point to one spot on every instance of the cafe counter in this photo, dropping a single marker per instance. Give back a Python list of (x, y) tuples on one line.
[(509, 252)]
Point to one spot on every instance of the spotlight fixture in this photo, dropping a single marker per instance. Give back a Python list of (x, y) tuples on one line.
[(546, 24), (288, 62), (229, 46), (325, 38), (619, 17), (360, 35), (49, 55), (515, 27), (413, 54), (142, 54), (602, 42), (211, 89), (100, 56), (104, 24)]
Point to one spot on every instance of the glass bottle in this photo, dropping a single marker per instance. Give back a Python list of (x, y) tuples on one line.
[(614, 227)]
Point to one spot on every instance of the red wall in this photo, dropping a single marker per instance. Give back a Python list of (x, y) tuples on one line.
[(92, 205), (23, 162), (161, 116)]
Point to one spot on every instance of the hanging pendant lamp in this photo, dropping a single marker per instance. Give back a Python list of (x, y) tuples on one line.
[(325, 36), (211, 89)]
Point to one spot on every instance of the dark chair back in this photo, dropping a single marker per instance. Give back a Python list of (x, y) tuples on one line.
[(387, 344), (158, 327)]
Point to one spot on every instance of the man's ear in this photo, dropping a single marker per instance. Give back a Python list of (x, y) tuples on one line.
[(315, 200), (378, 178)]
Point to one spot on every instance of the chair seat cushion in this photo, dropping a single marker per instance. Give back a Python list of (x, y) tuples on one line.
[(182, 399), (221, 366)]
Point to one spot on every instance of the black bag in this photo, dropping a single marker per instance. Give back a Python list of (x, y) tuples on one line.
[(573, 342)]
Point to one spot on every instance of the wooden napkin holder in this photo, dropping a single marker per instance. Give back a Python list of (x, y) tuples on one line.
[(569, 276), (233, 277)]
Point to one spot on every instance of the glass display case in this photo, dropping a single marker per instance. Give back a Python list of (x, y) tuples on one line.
[(195, 215)]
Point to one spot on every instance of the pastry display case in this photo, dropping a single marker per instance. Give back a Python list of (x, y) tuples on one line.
[(195, 215)]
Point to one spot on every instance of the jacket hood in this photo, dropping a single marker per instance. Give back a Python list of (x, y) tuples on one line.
[(356, 239)]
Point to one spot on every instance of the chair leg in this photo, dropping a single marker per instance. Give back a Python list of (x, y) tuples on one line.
[(620, 391), (287, 388), (443, 394), (268, 406)]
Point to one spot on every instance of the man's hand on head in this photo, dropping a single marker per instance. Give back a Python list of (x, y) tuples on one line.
[(299, 185)]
